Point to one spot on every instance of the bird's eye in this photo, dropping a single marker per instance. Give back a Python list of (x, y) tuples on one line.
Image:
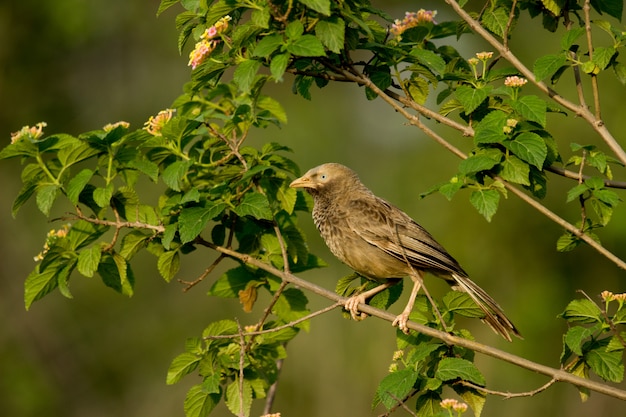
[(323, 176)]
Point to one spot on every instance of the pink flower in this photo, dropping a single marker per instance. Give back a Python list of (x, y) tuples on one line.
[(412, 19), (32, 133), (156, 123)]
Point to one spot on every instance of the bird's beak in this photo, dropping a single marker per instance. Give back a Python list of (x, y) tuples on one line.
[(302, 182)]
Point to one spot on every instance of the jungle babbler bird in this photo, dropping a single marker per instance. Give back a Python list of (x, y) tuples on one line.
[(381, 242)]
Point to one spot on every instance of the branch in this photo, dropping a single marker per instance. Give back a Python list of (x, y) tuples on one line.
[(556, 374), (508, 395), (596, 123)]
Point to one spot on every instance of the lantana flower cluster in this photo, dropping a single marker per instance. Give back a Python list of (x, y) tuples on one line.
[(452, 404), (111, 126), (207, 42), (156, 123), (515, 81), (32, 133), (51, 238), (412, 19)]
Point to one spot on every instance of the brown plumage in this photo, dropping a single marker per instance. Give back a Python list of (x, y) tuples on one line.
[(380, 241)]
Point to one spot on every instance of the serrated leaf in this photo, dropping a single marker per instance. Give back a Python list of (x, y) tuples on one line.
[(266, 46), (477, 163), (292, 305), (515, 170), (458, 368), (547, 65), (461, 303), (182, 365), (395, 386), (331, 33), (46, 195), (576, 192), (76, 185), (116, 274), (132, 242), (532, 108), (255, 205), (273, 107), (496, 20), (239, 398), (199, 402), (430, 59), (146, 167), (193, 220), (102, 195), (471, 97), (575, 337), (491, 128), (231, 282), (88, 260), (24, 195), (567, 242), (486, 202), (529, 147), (607, 365), (321, 6), (245, 73), (582, 311), (278, 66), (306, 45), (473, 397), (168, 264), (570, 37), (38, 284)]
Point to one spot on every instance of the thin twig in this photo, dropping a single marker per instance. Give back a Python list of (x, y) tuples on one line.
[(508, 395), (242, 357), (509, 23), (207, 271), (581, 197), (594, 77)]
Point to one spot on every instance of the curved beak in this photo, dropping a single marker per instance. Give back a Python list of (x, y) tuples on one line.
[(302, 182)]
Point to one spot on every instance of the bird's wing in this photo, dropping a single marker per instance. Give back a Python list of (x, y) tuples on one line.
[(394, 232)]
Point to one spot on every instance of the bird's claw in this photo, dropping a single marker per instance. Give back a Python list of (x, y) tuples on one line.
[(401, 322), (352, 305)]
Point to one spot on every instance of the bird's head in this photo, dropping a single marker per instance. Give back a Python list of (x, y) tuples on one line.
[(327, 179)]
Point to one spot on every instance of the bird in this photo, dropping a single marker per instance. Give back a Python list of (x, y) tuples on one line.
[(381, 242)]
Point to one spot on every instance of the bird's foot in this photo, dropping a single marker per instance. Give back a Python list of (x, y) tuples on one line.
[(352, 305), (401, 322)]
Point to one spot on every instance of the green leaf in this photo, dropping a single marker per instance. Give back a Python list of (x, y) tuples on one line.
[(567, 242), (496, 20), (174, 174), (239, 401), (529, 147), (116, 274), (575, 337), (603, 55), (457, 368), (429, 59), (102, 196), (199, 402), (245, 73), (306, 45), (38, 284), (532, 108), (547, 65), (486, 202), (471, 97), (46, 195), (231, 282), (576, 192), (491, 128), (279, 65), (182, 365), (146, 167), (24, 195), (255, 205), (273, 107), (291, 306), (611, 7), (321, 6), (88, 260), (394, 386), (76, 185), (168, 264), (331, 33), (132, 243), (193, 220), (570, 37), (607, 365), (478, 162), (515, 170), (582, 311), (268, 45), (461, 303)]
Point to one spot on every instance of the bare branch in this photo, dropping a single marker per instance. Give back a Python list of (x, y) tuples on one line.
[(508, 395)]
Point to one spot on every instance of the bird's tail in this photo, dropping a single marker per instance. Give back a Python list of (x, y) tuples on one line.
[(494, 316)]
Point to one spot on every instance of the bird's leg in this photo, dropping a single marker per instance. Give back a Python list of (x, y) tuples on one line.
[(352, 303), (403, 318)]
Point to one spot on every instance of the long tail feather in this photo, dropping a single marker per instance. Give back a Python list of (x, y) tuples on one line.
[(494, 316)]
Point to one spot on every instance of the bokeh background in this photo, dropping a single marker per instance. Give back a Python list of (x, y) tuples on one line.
[(78, 65)]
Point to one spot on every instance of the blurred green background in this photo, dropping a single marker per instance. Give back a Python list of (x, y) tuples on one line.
[(80, 64)]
